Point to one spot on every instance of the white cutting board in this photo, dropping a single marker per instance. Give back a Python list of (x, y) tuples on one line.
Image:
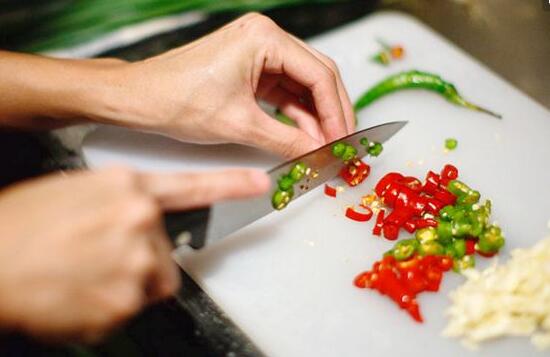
[(286, 280)]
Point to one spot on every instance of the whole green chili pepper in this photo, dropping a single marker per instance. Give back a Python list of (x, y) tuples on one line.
[(417, 80)]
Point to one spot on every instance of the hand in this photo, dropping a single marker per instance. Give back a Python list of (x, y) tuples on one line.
[(79, 254), (207, 91)]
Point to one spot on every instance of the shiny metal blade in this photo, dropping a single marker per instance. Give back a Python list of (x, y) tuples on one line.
[(228, 217)]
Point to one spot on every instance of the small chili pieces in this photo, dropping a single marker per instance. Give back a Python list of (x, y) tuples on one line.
[(403, 280), (365, 216), (285, 185), (450, 226)]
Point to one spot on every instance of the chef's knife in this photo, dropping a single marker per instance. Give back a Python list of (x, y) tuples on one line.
[(208, 225)]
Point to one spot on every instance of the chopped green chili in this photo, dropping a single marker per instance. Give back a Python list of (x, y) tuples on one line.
[(466, 262), (405, 249), (285, 186), (451, 144)]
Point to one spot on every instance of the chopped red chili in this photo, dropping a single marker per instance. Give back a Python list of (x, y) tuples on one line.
[(355, 172), (448, 173), (403, 281), (391, 231), (359, 216), (410, 226), (470, 246), (330, 191), (382, 185), (410, 200), (379, 223), (425, 222)]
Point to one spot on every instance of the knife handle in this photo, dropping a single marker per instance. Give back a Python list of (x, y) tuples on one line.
[(187, 227)]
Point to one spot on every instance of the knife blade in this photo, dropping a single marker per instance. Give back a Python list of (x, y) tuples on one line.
[(201, 227)]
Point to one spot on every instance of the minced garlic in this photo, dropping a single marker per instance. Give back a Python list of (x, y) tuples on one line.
[(511, 299)]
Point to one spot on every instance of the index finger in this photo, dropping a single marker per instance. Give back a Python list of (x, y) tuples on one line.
[(181, 191), (303, 67)]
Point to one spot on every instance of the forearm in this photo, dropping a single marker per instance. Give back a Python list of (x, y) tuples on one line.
[(43, 93)]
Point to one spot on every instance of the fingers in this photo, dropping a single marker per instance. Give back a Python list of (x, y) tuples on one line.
[(347, 106), (299, 64), (276, 137), (291, 106), (165, 279), (181, 191)]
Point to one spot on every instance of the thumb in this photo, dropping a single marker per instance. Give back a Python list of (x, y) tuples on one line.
[(279, 138), (181, 191)]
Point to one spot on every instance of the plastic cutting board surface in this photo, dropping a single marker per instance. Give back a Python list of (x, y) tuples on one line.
[(286, 280)]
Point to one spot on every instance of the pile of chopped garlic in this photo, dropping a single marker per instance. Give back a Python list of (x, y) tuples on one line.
[(512, 299)]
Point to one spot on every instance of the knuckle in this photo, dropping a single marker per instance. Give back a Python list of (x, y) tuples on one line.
[(142, 210), (332, 64), (144, 262), (259, 23), (290, 148), (328, 74), (121, 176)]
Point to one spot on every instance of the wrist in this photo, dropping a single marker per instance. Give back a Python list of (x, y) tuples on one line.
[(87, 92)]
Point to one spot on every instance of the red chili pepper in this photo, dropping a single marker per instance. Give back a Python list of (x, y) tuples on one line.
[(470, 246), (433, 206), (425, 222), (448, 173), (418, 204), (410, 226), (379, 223), (391, 231), (411, 182), (402, 281), (434, 277), (355, 172), (363, 280), (445, 263), (445, 197), (391, 193), (359, 216), (404, 197), (432, 182), (384, 182), (410, 200), (330, 191), (399, 216), (414, 310)]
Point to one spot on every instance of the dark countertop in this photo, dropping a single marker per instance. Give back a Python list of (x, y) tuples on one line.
[(509, 36)]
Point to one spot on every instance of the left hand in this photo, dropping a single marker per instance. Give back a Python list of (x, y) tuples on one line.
[(207, 91)]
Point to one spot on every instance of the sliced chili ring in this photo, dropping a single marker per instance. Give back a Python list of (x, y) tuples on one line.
[(470, 246), (359, 216), (330, 191), (425, 222), (384, 182), (377, 229), (410, 226)]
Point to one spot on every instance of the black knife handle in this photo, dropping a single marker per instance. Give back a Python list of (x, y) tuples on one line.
[(194, 222)]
